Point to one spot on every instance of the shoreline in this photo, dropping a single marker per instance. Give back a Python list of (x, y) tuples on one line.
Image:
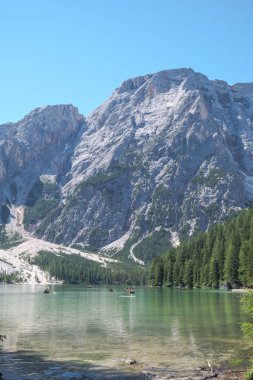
[(61, 282), (16, 366)]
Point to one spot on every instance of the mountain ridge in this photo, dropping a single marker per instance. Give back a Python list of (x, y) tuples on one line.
[(166, 155)]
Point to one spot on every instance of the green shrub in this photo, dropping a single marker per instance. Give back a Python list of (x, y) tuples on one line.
[(40, 209), (247, 305), (236, 362), (249, 374), (211, 180)]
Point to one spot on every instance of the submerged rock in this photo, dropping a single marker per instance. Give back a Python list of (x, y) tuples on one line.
[(131, 361)]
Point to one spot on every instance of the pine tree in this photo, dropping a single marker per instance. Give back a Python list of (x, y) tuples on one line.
[(231, 265), (224, 253), (158, 273), (169, 260), (217, 260), (214, 273), (188, 273), (244, 261)]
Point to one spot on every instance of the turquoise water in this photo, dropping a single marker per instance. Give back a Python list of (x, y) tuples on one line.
[(155, 326)]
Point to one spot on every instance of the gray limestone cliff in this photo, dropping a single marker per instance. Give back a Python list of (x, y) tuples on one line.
[(166, 155)]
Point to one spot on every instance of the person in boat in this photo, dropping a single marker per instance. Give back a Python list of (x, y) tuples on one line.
[(47, 291)]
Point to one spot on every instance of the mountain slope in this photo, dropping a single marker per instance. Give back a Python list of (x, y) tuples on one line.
[(19, 252), (40, 144), (166, 155)]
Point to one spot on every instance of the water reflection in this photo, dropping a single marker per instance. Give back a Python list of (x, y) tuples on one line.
[(158, 326)]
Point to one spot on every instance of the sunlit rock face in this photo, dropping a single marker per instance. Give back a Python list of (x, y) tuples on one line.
[(167, 153), (39, 144)]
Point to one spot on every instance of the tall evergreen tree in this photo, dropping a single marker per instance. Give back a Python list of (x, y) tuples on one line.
[(188, 273), (158, 273), (231, 265), (244, 263)]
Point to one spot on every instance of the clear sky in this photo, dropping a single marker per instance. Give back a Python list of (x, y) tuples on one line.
[(79, 51)]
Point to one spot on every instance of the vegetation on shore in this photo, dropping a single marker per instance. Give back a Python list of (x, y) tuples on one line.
[(10, 278), (247, 327), (221, 257)]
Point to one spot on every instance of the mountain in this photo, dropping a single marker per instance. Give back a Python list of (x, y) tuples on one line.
[(166, 155)]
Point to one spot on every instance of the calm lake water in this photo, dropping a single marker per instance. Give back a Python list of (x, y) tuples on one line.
[(158, 327)]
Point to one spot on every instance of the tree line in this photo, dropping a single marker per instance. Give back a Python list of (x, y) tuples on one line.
[(74, 269), (223, 256)]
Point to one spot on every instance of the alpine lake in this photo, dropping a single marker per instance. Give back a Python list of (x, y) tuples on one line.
[(77, 326)]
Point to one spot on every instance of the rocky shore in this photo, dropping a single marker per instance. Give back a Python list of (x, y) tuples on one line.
[(18, 367)]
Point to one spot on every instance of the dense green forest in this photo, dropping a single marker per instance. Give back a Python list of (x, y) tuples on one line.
[(10, 278), (74, 269), (223, 256)]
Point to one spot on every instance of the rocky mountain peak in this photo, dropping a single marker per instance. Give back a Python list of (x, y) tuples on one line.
[(165, 156), (161, 81), (132, 84)]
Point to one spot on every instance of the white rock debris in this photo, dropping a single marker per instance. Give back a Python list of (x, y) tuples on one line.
[(175, 240)]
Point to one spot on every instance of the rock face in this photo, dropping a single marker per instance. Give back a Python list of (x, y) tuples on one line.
[(166, 155), (40, 144)]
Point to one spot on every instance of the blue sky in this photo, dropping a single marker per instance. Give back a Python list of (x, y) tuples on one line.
[(79, 51)]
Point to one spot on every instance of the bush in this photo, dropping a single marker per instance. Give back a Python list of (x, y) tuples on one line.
[(249, 374), (247, 305)]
